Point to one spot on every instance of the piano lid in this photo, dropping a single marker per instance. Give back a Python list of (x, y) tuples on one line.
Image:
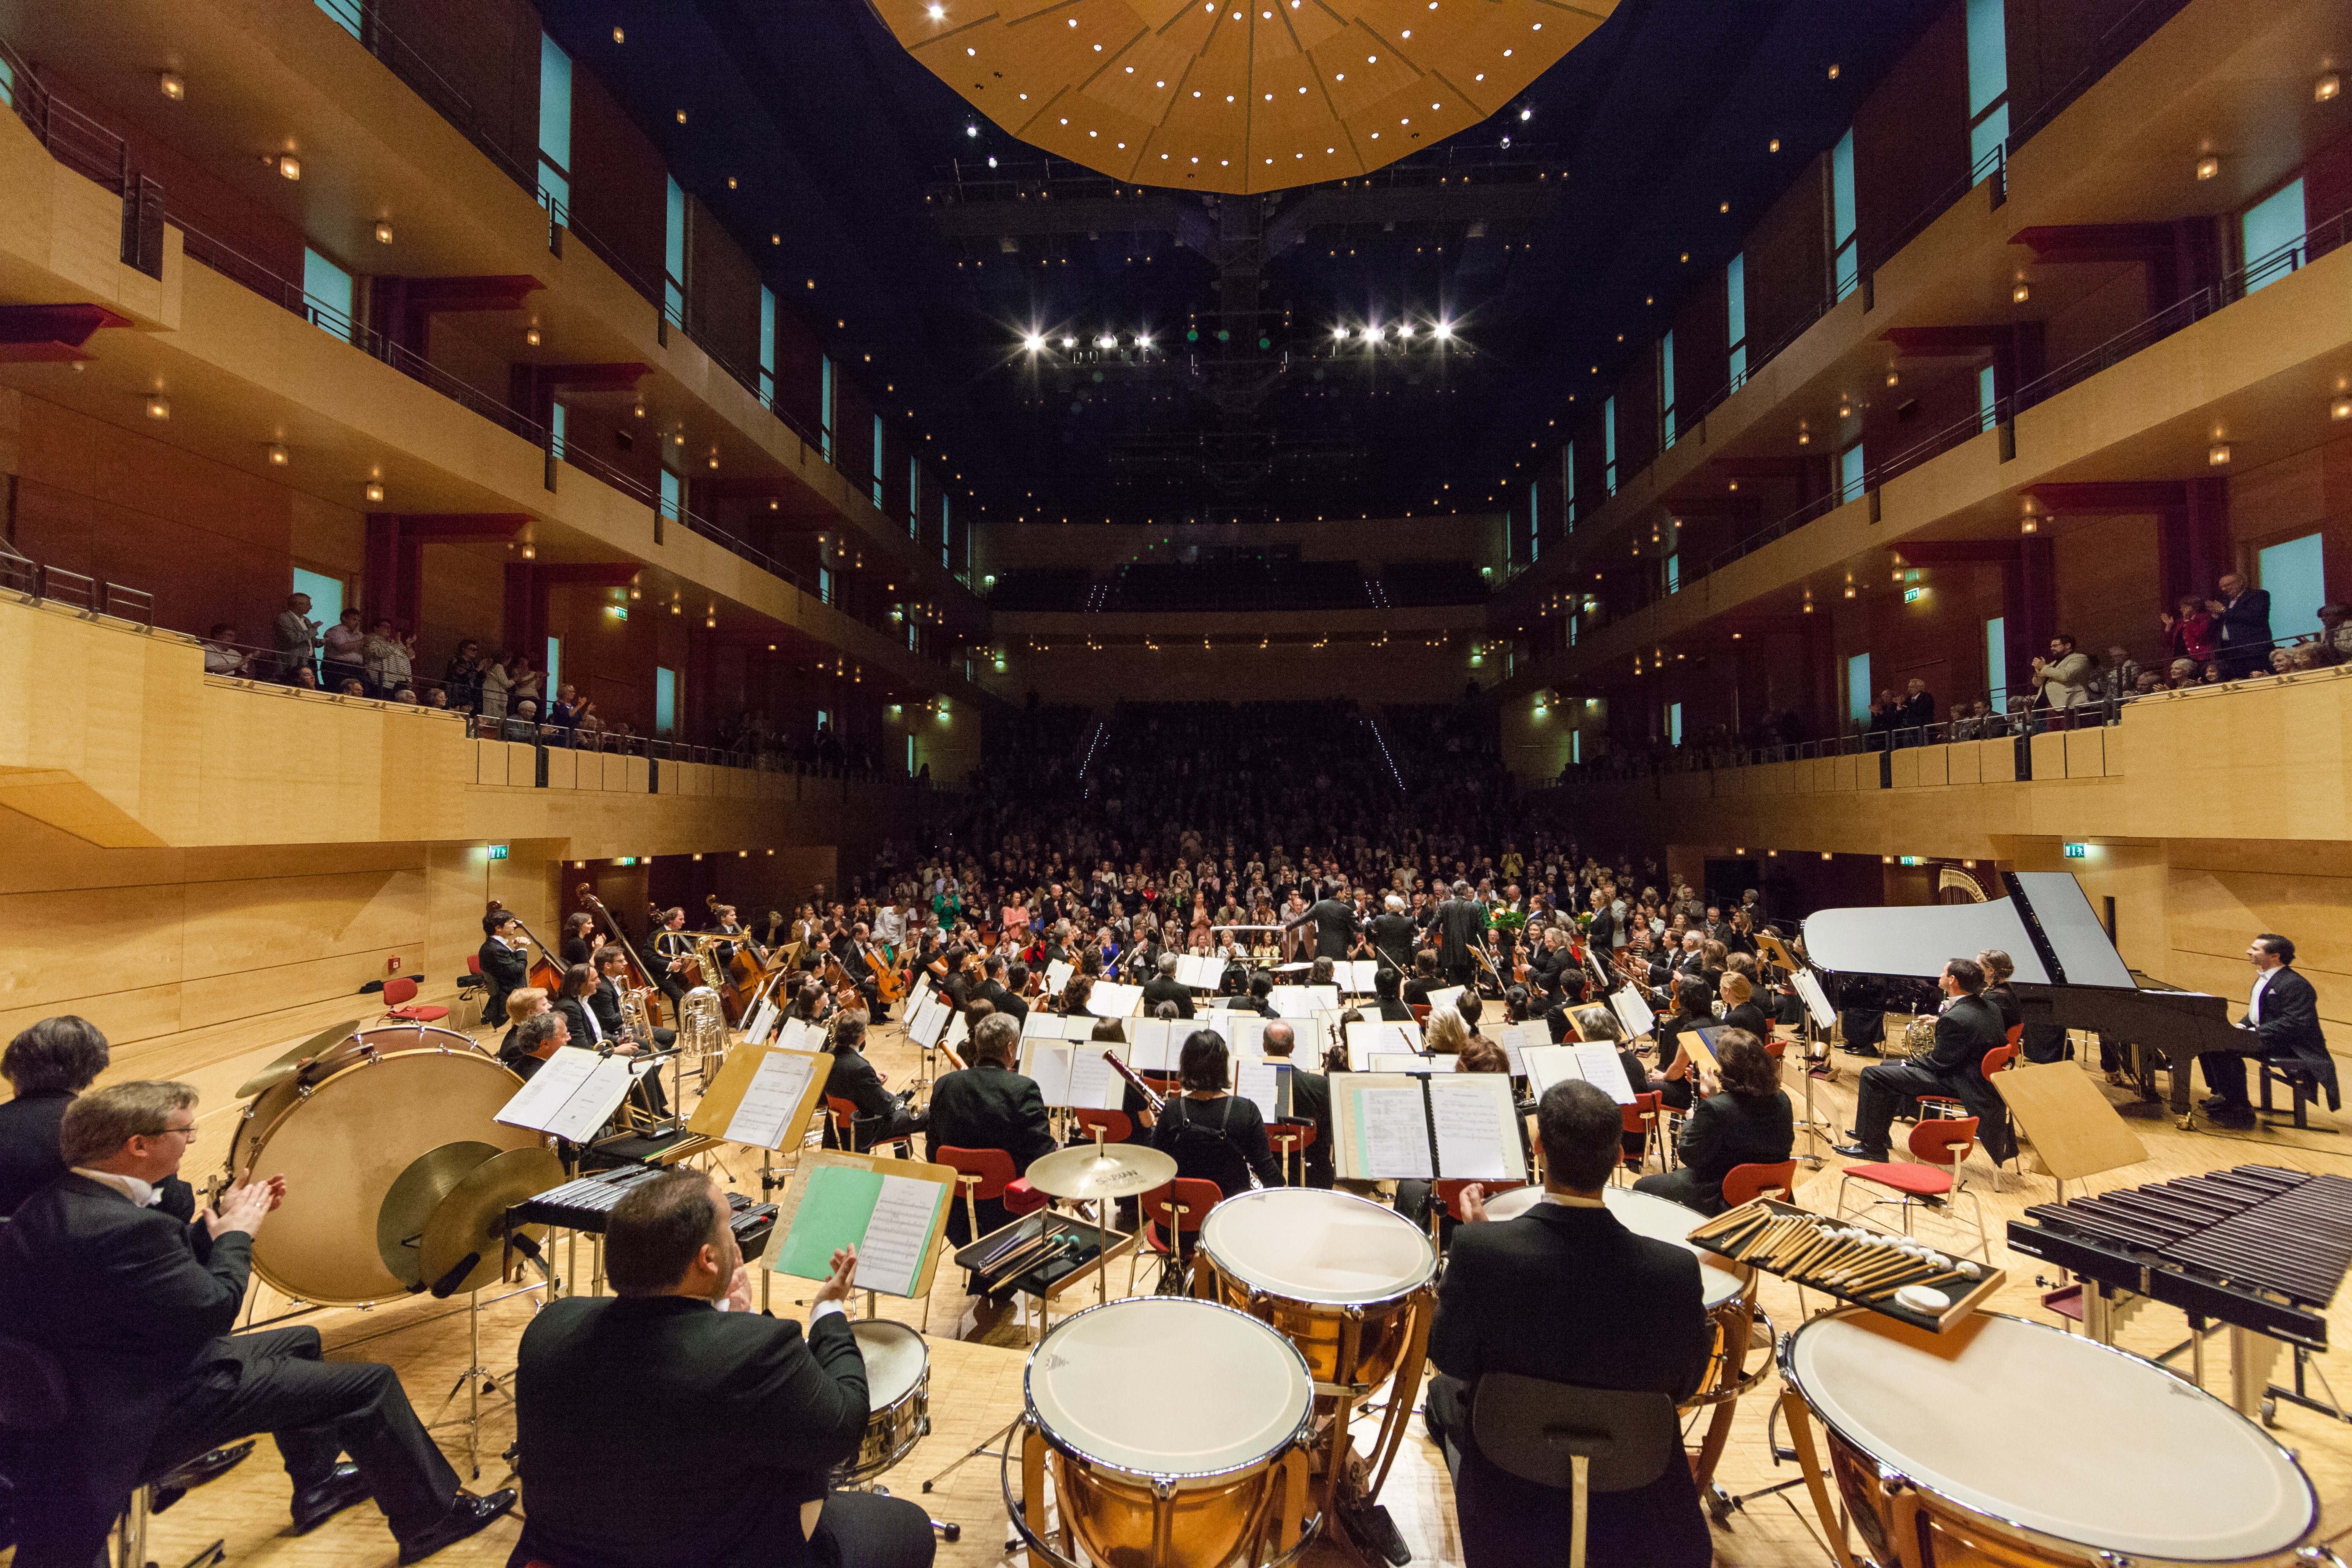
[(2045, 925)]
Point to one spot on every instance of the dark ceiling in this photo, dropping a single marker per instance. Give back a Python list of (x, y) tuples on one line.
[(1537, 238)]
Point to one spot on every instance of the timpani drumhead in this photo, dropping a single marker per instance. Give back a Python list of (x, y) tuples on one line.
[(2031, 1425), (1168, 1387), (1515, 1203), (895, 1359), (1332, 1249)]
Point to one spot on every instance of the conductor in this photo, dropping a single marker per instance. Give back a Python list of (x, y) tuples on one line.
[(1334, 918), (1458, 923)]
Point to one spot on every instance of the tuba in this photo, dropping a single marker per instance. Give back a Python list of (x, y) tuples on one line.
[(701, 1032), (706, 962)]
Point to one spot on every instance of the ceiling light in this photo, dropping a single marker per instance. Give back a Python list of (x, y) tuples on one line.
[(2206, 167), (1834, 76), (618, 36), (1773, 146), (937, 12), (1527, 114), (372, 490), (974, 130), (2325, 89), (384, 233), (530, 336), (681, 117), (277, 455), (2021, 293), (289, 166), (1443, 329), (1069, 343), (158, 406), (2340, 409), (1034, 344), (2217, 456), (171, 85)]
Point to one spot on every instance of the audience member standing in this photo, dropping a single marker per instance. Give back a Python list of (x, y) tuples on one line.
[(2064, 679), (2241, 626), (297, 634), (345, 642)]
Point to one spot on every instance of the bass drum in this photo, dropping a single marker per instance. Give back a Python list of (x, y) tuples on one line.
[(369, 1138)]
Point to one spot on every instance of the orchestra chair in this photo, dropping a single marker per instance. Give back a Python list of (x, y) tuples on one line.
[(1641, 1118), (843, 1114), (1175, 1210), (1746, 1184), (35, 1398), (1448, 1194), (400, 991), (1579, 1440), (1288, 1138), (1998, 1060), (1420, 1012), (473, 985), (1115, 1126), (984, 1173), (1931, 1179)]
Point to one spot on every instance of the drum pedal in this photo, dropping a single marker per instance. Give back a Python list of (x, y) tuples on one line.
[(1368, 1524)]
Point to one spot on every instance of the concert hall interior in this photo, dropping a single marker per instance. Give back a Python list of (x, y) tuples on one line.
[(1748, 964)]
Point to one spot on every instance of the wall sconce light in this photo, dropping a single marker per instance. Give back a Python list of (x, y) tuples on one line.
[(158, 406), (289, 166), (384, 233), (639, 411), (2020, 294), (171, 85), (277, 455), (2217, 456), (2029, 525), (2208, 166), (2325, 88), (373, 489), (530, 336), (531, 551)]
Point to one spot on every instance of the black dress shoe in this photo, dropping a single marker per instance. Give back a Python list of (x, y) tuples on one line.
[(467, 1517), (344, 1488), (2214, 1102), (1857, 1151), (177, 1482)]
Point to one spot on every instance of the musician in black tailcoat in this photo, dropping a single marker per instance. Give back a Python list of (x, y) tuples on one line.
[(1334, 920), (1393, 937), (2282, 1015), (1310, 1103), (881, 1115), (1163, 986), (612, 979), (1459, 924), (47, 1065), (1968, 1028), (989, 1106), (1624, 1311), (504, 961), (762, 1410)]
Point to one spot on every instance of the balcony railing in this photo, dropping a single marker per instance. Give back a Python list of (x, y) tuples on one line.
[(30, 580)]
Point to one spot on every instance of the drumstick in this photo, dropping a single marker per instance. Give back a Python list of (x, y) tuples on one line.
[(1843, 1256), (1824, 1245), (1888, 1287), (1870, 1279), (1807, 1238), (1752, 1247), (1729, 1238), (1744, 1215)]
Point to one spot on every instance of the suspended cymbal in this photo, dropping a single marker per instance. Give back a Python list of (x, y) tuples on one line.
[(472, 1218), (1119, 1171), (295, 1060)]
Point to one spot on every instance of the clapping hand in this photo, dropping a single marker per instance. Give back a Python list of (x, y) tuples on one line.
[(1472, 1202), (243, 1207), (844, 1278)]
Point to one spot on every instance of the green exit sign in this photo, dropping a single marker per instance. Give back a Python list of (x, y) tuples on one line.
[(2078, 851), (1913, 595), (498, 851), (1911, 859)]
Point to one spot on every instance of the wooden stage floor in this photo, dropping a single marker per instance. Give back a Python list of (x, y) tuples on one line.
[(976, 1367)]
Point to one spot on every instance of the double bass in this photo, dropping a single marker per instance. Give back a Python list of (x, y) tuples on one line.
[(638, 979), (743, 974)]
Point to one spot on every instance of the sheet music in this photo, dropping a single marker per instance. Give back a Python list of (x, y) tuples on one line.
[(799, 1034), (1041, 1025), (1407, 1029), (1445, 997), (1266, 1085), (1358, 976), (1515, 1039), (770, 1100), (1394, 1131), (929, 1018), (1291, 1001), (1093, 1085), (958, 1032), (1249, 1033), (1111, 1000), (897, 1234), (1155, 1044), (559, 1078), (1364, 1040), (580, 1101), (1468, 1141), (1603, 1068), (1049, 1067), (1817, 1002), (1202, 971), (1387, 1061), (1057, 975), (1081, 1028), (763, 1018), (1632, 1011), (1326, 997)]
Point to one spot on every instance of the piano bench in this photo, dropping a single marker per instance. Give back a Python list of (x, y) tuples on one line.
[(2301, 1084)]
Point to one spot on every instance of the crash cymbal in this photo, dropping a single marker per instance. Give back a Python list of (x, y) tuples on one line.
[(472, 1220), (1117, 1171), (295, 1060), (408, 1204)]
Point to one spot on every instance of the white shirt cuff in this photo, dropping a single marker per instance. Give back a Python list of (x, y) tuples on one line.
[(824, 1309)]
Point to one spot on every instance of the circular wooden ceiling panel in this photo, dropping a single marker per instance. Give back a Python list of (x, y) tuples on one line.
[(1238, 95)]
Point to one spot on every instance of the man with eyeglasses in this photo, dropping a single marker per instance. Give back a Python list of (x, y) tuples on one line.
[(135, 1308)]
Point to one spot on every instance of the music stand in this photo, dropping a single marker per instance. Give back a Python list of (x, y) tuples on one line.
[(829, 1204), (2075, 1133), (770, 1125)]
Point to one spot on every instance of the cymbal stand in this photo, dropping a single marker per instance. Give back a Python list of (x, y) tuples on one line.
[(479, 1379)]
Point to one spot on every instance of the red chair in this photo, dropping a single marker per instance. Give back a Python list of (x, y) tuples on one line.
[(1746, 1184), (1642, 1122), (1176, 1210), (1448, 1194), (397, 995), (843, 1114), (1420, 1012), (1288, 1138), (1938, 1145), (983, 1175), (1998, 1060), (1116, 1126)]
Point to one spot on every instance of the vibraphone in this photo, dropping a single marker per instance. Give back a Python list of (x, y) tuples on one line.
[(583, 1206), (2257, 1247)]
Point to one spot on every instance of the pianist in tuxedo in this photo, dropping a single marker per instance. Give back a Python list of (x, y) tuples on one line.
[(46, 1066), (1966, 1029), (1623, 1312), (988, 1105), (754, 1413), (2282, 1016), (135, 1308)]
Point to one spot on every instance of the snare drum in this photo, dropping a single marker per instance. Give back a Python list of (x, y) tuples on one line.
[(898, 1398), (2006, 1444), (1169, 1423), (1336, 1274)]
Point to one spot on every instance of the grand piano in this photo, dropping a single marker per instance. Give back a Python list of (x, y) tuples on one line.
[(2068, 972)]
